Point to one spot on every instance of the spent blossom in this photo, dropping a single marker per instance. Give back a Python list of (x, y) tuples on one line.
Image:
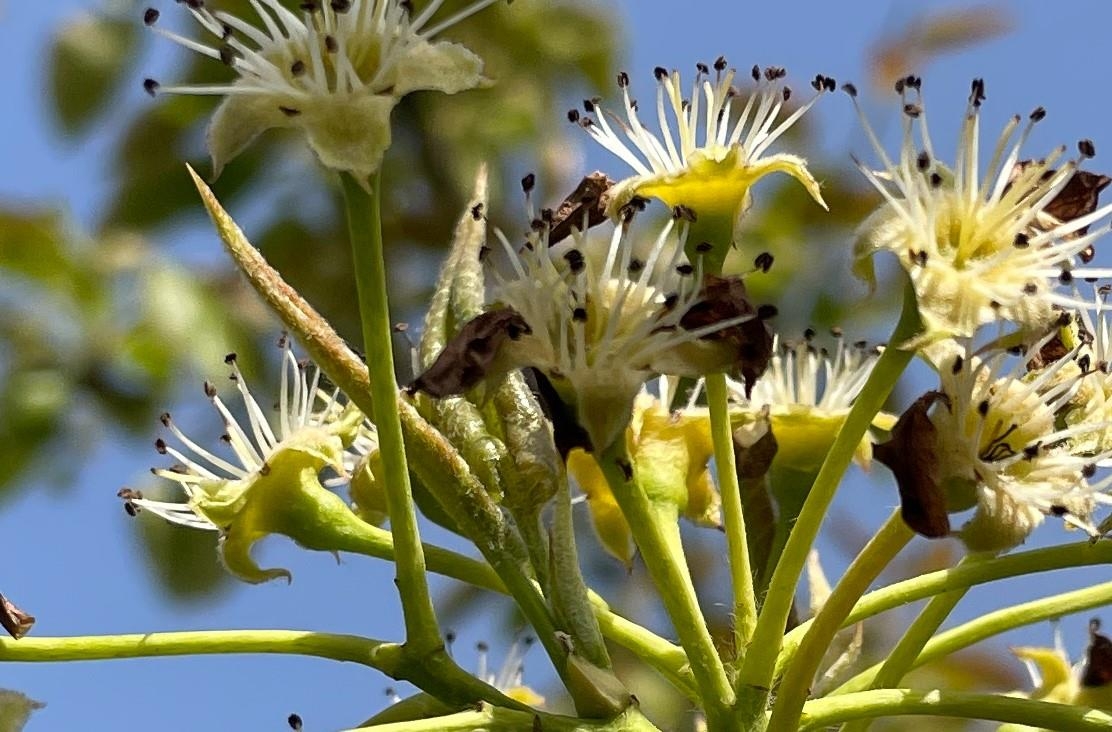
[(335, 71)]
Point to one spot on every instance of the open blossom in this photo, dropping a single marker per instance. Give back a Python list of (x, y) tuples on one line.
[(808, 392), (990, 438), (980, 246), (597, 318), (276, 468), (711, 160), (335, 70)]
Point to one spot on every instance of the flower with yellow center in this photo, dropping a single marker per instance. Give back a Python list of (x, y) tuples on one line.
[(809, 392), (598, 317), (274, 478), (980, 246), (990, 439), (711, 160), (335, 71)]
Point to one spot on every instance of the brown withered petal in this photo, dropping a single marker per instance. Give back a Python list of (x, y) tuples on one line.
[(566, 430), (1079, 197), (725, 298), (1098, 658), (471, 353), (590, 198), (912, 457), (14, 620)]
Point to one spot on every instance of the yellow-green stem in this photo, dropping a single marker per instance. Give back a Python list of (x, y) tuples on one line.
[(755, 677), (903, 655), (796, 683), (658, 541), (737, 546), (994, 623), (830, 711), (365, 226)]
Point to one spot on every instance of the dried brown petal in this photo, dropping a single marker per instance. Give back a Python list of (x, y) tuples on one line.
[(588, 199), (1098, 658), (471, 354), (912, 457), (725, 298), (1079, 197), (14, 620)]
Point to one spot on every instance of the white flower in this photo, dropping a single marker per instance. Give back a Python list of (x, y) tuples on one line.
[(994, 443), (809, 392), (981, 246), (334, 71), (275, 465), (712, 159)]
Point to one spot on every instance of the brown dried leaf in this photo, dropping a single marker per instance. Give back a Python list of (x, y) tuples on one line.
[(588, 200), (14, 620), (912, 457), (471, 354), (1098, 658)]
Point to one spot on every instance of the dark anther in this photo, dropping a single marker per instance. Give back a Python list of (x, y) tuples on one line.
[(764, 261), (756, 72), (684, 213), (977, 92), (1089, 470), (340, 6), (289, 111), (228, 55), (528, 182), (294, 720), (477, 211), (210, 389), (623, 79), (1057, 510), (1022, 241), (720, 63), (160, 445), (230, 358), (1038, 114), (150, 16), (626, 468), (671, 300), (936, 180), (150, 86), (589, 105), (923, 161), (1087, 148), (331, 44), (703, 247), (958, 365), (635, 266), (1065, 277), (660, 73), (913, 110), (765, 312), (573, 116), (787, 93), (702, 68), (850, 89), (809, 334), (1030, 288), (685, 269), (297, 68), (982, 408), (579, 315)]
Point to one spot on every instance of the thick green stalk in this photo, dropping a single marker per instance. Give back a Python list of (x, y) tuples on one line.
[(755, 677), (830, 711), (796, 683), (498, 719), (1081, 554), (903, 655), (737, 547), (364, 216), (657, 539), (789, 488), (994, 623)]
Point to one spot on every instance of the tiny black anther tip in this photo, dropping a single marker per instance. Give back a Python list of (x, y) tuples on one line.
[(160, 445), (958, 365), (573, 115), (764, 261), (294, 720), (660, 73), (623, 79), (150, 86), (703, 247), (150, 16), (850, 89), (230, 358), (982, 408), (720, 63), (210, 389), (765, 312), (477, 211), (1038, 114), (1086, 148), (528, 182)]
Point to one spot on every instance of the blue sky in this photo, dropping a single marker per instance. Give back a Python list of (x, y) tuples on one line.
[(77, 567)]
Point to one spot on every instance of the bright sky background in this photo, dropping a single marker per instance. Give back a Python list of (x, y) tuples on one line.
[(71, 556)]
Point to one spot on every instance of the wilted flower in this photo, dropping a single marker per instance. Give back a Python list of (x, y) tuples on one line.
[(712, 159), (670, 451), (335, 71), (979, 248), (275, 476), (809, 392), (598, 319), (992, 440), (1087, 683)]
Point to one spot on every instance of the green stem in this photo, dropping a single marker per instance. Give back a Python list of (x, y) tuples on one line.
[(1081, 554), (737, 546), (902, 657), (365, 226), (498, 719), (658, 541), (796, 683), (992, 624), (789, 488), (830, 711), (755, 677)]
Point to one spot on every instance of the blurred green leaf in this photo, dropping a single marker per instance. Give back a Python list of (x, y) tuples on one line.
[(88, 60), (15, 710)]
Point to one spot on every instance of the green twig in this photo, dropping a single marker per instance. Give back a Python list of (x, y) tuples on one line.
[(657, 539), (737, 546), (364, 216), (755, 677), (830, 711), (994, 623), (796, 683)]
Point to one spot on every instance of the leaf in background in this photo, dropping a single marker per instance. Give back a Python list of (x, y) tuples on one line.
[(15, 710), (87, 62), (930, 35), (183, 561)]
